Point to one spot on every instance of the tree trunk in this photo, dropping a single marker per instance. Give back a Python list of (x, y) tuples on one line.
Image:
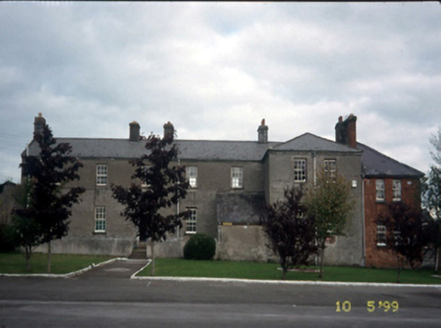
[(400, 268), (322, 259), (28, 252), (437, 254), (152, 247), (49, 257)]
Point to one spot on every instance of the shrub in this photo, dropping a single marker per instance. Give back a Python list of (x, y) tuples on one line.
[(200, 247), (6, 238)]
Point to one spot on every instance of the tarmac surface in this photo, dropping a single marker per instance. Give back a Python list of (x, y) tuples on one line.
[(105, 296)]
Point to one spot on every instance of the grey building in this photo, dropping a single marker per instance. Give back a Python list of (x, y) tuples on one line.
[(230, 183)]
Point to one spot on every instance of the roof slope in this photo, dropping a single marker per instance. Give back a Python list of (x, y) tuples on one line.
[(188, 149), (311, 142), (376, 164)]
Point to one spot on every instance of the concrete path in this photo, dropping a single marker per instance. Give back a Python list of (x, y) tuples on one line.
[(120, 268)]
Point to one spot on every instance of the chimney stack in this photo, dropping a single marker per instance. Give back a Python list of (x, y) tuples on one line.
[(169, 130), (39, 124), (134, 131), (346, 131), (262, 133)]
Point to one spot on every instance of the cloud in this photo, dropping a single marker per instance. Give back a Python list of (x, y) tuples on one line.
[(216, 69)]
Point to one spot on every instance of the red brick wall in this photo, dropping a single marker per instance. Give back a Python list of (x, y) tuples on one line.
[(379, 256)]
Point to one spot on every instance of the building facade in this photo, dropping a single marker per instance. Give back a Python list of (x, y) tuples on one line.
[(230, 183)]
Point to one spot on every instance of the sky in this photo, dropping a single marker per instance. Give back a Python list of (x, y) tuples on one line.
[(215, 70)]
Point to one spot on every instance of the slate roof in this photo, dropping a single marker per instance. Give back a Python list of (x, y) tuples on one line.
[(188, 149), (376, 164), (311, 142)]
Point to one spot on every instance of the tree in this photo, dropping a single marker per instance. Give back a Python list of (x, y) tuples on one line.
[(49, 203), (329, 203), (406, 234), (25, 230), (291, 235), (431, 195), (159, 186)]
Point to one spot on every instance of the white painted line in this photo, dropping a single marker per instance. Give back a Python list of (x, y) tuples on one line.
[(133, 276), (284, 282)]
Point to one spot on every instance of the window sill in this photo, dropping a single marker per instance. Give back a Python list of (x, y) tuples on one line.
[(381, 245), (99, 233)]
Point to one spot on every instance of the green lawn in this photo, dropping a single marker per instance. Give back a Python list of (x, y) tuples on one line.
[(268, 271), (61, 263)]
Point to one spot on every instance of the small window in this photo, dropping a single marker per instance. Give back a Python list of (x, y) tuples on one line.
[(191, 221), (381, 235), (330, 166), (236, 177), (300, 170), (379, 185), (101, 174), (396, 188), (100, 219), (192, 176)]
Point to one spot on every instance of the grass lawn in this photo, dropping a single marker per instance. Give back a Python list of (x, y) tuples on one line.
[(268, 271), (61, 263)]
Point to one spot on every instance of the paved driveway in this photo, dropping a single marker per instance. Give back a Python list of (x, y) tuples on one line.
[(118, 269)]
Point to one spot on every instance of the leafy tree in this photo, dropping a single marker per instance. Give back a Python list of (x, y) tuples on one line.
[(329, 203), (407, 235), (162, 186), (431, 195), (291, 235), (25, 230), (49, 204)]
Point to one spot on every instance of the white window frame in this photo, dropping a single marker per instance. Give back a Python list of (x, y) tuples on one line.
[(380, 192), (396, 189), (101, 174), (192, 176), (300, 170), (330, 167), (100, 219), (381, 235), (191, 222), (237, 177)]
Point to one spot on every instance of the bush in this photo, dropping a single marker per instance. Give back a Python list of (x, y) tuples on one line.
[(6, 238), (200, 247)]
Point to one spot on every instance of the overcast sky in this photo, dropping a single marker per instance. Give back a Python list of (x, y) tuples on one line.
[(215, 70)]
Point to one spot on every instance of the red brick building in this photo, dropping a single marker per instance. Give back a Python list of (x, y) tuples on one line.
[(385, 180)]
